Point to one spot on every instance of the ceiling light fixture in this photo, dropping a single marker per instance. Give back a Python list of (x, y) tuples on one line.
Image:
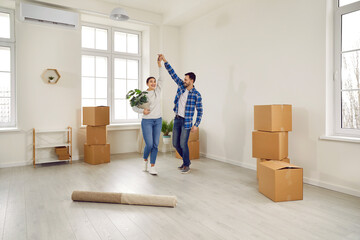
[(119, 14)]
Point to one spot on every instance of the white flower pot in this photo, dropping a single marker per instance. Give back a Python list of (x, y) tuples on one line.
[(144, 106), (166, 139)]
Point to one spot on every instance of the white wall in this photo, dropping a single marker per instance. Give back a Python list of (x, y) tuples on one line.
[(244, 53), (171, 48), (267, 52), (44, 106)]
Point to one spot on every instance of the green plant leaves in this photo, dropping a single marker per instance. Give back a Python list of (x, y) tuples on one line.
[(137, 96), (170, 126), (166, 127)]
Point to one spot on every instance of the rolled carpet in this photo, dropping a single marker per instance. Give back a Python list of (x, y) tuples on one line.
[(125, 198), (104, 197)]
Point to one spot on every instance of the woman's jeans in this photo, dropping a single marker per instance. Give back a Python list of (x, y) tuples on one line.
[(180, 139), (151, 132)]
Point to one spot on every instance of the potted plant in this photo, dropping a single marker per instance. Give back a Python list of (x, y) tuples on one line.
[(138, 99), (51, 79), (167, 128)]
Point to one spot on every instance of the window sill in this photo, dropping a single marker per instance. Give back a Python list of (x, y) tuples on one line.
[(341, 139), (9, 130), (124, 126), (120, 127)]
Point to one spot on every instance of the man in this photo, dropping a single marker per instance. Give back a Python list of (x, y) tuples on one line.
[(186, 100)]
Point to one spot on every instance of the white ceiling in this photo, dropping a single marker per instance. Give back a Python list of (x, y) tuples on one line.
[(174, 12), (156, 6)]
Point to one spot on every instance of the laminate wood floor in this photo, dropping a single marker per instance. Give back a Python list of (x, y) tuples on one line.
[(215, 201)]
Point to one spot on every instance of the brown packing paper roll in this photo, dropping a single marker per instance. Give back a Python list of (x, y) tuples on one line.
[(104, 197), (148, 200), (125, 198)]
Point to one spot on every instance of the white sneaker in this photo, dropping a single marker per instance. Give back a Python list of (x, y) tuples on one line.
[(145, 166), (153, 171)]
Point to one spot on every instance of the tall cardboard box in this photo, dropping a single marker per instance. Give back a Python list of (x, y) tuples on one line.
[(194, 150), (280, 181), (270, 145), (273, 118), (259, 160), (194, 136), (96, 116), (97, 154), (96, 135)]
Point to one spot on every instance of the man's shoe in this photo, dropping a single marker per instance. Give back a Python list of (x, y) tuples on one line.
[(181, 167), (185, 170), (145, 166), (153, 171)]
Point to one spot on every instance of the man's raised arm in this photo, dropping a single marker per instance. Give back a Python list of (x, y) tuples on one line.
[(172, 73)]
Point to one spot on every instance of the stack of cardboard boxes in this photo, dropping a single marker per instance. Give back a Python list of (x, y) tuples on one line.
[(278, 179), (96, 150), (194, 146)]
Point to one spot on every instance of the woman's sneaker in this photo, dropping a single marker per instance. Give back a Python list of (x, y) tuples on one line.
[(153, 171), (145, 166)]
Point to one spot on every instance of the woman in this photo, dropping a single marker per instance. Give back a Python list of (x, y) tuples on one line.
[(151, 120)]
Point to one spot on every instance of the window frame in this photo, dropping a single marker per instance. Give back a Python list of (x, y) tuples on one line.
[(124, 56), (93, 25), (339, 11), (12, 27), (98, 54), (111, 55), (10, 43)]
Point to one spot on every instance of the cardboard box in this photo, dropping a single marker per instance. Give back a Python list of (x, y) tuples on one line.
[(61, 150), (273, 118), (270, 145), (97, 154), (259, 160), (64, 156), (280, 181), (194, 136), (96, 116), (96, 135), (194, 150)]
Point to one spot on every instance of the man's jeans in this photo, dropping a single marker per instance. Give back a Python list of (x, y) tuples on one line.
[(180, 139), (151, 132)]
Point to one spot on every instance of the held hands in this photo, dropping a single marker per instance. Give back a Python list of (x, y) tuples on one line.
[(146, 111), (194, 128), (159, 60), (161, 57)]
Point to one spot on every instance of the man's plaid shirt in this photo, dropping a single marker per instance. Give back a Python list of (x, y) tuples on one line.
[(193, 101)]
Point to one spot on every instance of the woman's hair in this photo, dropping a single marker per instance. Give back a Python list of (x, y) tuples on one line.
[(148, 79)]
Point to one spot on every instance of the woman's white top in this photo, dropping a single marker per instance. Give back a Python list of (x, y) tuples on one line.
[(154, 98)]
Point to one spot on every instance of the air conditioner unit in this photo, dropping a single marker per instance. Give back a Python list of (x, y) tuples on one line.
[(29, 12)]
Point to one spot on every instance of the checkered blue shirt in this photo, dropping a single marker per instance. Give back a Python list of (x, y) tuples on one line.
[(193, 101)]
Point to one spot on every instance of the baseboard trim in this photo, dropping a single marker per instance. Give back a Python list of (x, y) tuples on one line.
[(332, 187), (22, 164), (225, 160), (307, 180), (18, 164)]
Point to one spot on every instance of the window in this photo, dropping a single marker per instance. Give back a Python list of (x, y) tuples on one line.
[(347, 67), (111, 61), (7, 70), (346, 2)]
